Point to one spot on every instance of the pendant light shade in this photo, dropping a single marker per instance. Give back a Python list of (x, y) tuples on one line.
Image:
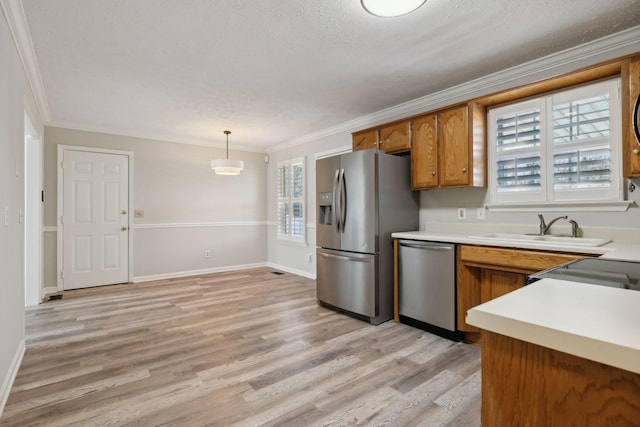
[(227, 166), (389, 9)]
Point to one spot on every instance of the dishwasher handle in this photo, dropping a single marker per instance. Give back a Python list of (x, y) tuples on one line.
[(427, 246)]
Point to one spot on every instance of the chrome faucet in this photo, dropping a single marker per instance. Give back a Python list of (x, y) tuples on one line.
[(574, 228), (545, 227)]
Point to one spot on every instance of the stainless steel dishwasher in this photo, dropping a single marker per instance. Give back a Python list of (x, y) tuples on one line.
[(427, 286)]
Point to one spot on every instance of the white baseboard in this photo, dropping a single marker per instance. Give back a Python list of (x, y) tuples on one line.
[(177, 274), (292, 271), (7, 383), (197, 272), (48, 290)]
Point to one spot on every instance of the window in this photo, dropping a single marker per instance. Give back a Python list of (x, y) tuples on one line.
[(560, 148), (291, 214)]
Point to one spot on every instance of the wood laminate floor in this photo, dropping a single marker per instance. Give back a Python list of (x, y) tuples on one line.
[(242, 348)]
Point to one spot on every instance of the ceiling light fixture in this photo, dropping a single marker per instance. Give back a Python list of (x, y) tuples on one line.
[(390, 9), (227, 166)]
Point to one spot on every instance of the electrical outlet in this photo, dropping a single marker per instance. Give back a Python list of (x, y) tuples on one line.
[(480, 213), (309, 258), (462, 213), (207, 253)]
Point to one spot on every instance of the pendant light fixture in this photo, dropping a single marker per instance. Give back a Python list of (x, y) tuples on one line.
[(227, 166), (390, 9)]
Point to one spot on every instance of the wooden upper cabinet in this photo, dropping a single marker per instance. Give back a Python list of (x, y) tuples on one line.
[(453, 150), (424, 152), (365, 139), (630, 94), (448, 148), (395, 138)]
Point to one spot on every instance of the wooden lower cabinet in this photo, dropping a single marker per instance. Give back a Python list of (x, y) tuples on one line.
[(486, 272), (495, 283), (524, 384)]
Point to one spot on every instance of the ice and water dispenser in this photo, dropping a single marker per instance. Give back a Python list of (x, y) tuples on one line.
[(325, 203)]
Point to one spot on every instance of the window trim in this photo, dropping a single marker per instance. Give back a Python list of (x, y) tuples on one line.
[(288, 238), (547, 201)]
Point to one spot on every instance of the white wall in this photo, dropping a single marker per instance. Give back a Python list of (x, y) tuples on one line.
[(15, 99), (187, 207)]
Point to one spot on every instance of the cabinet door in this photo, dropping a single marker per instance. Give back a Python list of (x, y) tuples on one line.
[(424, 153), (495, 283), (453, 134), (396, 138), (631, 149), (365, 139)]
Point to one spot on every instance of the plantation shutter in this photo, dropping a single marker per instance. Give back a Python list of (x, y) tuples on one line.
[(581, 146), (518, 151), (291, 200)]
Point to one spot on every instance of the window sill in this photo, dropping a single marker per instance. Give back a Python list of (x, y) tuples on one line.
[(599, 206), (301, 243)]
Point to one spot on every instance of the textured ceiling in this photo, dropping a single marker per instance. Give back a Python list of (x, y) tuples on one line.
[(275, 70)]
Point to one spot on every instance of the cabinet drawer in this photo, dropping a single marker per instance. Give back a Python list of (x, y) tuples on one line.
[(515, 260)]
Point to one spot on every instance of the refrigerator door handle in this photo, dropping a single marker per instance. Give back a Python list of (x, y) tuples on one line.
[(343, 200), (342, 257), (336, 182)]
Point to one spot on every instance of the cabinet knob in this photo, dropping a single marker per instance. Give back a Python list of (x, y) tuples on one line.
[(433, 173), (123, 212), (123, 228), (464, 170), (636, 151)]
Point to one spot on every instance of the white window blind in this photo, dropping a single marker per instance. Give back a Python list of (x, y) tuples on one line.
[(291, 195), (561, 147)]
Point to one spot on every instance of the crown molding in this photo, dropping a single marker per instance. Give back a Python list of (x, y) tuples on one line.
[(152, 136), (606, 48), (17, 22)]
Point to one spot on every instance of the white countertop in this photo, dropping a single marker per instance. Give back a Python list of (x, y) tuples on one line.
[(628, 251), (594, 322)]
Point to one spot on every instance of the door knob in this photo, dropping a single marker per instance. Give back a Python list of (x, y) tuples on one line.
[(123, 228)]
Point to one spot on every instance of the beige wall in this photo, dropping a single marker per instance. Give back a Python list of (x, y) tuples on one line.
[(15, 100), (187, 207)]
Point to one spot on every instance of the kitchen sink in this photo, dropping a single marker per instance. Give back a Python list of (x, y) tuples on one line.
[(546, 239)]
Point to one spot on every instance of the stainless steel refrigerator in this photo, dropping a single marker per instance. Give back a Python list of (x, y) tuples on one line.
[(362, 197)]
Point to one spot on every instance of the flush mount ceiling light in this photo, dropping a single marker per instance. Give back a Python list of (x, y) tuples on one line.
[(227, 166), (391, 8)]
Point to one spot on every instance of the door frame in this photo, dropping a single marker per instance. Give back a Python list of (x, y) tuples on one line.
[(60, 228), (33, 213)]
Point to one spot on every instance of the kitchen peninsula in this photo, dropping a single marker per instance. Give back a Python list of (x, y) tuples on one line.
[(560, 353)]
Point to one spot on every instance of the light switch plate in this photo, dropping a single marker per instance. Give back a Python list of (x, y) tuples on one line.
[(462, 213), (480, 213)]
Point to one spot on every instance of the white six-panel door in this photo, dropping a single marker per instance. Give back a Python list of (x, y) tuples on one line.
[(95, 219)]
